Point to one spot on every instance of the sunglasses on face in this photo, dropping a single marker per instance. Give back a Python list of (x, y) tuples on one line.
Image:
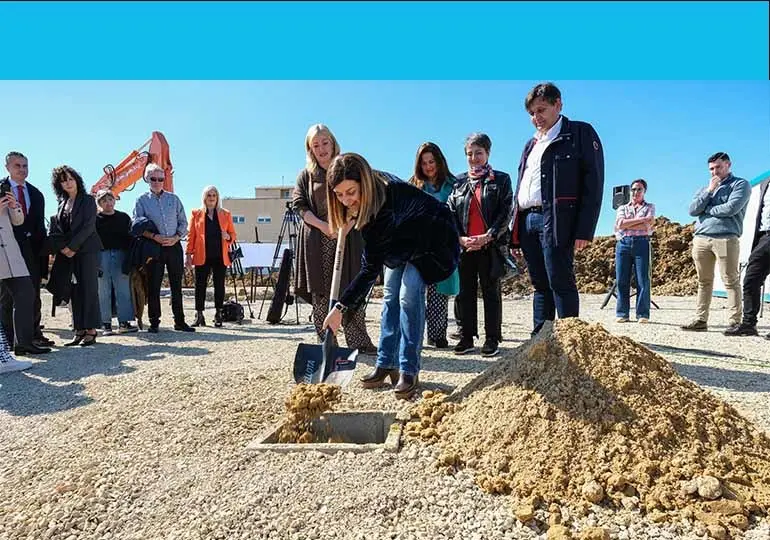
[(156, 179)]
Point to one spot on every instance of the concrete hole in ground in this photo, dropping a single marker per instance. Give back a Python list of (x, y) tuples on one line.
[(355, 431)]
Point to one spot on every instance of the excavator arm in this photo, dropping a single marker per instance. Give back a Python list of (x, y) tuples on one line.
[(122, 177)]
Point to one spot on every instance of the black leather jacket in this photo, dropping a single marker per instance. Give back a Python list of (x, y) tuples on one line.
[(496, 204)]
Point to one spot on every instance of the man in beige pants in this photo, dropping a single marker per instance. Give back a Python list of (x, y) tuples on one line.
[(719, 208)]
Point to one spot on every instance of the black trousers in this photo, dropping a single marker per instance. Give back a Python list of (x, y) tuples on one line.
[(172, 260), (7, 300), (18, 293), (757, 271), (218, 269), (86, 310), (475, 267), (458, 311)]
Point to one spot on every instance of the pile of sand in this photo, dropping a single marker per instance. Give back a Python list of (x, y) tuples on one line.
[(580, 416), (673, 270), (306, 403)]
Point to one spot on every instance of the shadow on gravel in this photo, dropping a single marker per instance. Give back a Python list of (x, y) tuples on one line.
[(740, 381), (686, 350), (71, 364), (446, 363), (23, 395)]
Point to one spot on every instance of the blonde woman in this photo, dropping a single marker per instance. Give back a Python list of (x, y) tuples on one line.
[(318, 242), (208, 242), (388, 213)]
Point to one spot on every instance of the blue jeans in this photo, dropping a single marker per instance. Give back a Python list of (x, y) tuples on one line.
[(633, 251), (112, 277), (551, 272), (403, 320)]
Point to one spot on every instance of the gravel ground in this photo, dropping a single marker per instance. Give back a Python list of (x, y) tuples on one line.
[(143, 436)]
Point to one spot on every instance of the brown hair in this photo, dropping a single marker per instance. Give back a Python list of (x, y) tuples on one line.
[(479, 139), (442, 169), (60, 174), (547, 91), (351, 166)]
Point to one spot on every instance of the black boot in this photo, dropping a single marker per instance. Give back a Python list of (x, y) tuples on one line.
[(377, 377), (199, 320), (218, 318), (407, 386)]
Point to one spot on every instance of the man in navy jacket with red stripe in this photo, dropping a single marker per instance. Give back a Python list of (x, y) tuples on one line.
[(557, 203)]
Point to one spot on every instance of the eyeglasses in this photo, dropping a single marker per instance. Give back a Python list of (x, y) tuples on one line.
[(157, 179)]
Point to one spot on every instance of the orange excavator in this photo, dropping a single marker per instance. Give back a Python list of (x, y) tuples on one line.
[(128, 172)]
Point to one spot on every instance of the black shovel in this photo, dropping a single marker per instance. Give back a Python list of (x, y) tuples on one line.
[(326, 363)]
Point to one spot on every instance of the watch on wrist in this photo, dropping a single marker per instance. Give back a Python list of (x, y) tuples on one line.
[(340, 307)]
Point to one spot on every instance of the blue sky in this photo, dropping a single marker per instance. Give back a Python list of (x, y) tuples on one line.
[(240, 134)]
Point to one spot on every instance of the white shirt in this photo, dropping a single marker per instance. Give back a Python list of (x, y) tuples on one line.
[(530, 193), (15, 186)]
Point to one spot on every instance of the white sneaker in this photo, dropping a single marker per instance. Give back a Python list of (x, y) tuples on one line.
[(11, 364)]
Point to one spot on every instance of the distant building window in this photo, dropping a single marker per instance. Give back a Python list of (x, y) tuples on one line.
[(285, 193), (263, 219), (239, 219)]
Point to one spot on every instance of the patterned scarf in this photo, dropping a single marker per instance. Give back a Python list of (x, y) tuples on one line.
[(480, 172)]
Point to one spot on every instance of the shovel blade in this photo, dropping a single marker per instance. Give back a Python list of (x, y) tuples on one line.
[(310, 367)]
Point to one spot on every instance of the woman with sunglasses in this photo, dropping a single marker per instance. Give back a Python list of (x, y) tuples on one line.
[(633, 227)]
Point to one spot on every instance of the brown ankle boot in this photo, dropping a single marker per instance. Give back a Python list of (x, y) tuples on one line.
[(407, 386), (377, 377)]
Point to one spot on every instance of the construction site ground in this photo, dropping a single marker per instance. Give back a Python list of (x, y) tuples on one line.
[(143, 436)]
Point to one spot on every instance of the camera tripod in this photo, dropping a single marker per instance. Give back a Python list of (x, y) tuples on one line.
[(613, 289), (282, 286), (236, 269)]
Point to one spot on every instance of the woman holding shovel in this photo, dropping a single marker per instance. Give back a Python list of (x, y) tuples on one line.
[(414, 236)]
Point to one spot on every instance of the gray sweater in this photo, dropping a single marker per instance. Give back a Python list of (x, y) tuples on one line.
[(720, 214)]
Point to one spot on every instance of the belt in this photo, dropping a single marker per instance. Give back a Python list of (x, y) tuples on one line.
[(532, 209)]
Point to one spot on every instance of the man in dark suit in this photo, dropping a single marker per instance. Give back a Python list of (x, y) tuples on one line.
[(557, 202), (31, 237), (757, 269)]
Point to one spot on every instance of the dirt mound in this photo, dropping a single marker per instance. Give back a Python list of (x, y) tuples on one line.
[(673, 270), (580, 416), (305, 404)]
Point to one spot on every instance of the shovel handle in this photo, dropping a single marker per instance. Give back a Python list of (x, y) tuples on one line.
[(337, 273)]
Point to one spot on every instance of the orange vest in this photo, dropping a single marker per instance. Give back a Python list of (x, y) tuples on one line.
[(196, 236)]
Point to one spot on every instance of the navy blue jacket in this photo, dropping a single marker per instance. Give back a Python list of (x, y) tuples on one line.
[(411, 227), (572, 184), (143, 250)]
